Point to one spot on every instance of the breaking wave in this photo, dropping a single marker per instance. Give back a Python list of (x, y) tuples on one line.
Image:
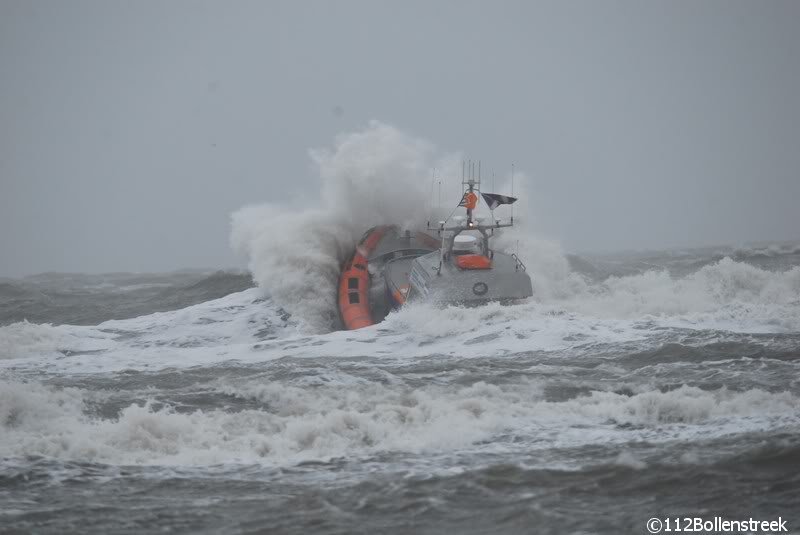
[(727, 291), (23, 339), (292, 424)]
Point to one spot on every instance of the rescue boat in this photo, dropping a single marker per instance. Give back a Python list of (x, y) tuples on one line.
[(449, 263)]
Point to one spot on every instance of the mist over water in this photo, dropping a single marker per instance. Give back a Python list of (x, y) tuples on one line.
[(630, 386)]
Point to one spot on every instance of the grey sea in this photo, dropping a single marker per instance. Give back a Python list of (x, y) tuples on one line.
[(643, 385)]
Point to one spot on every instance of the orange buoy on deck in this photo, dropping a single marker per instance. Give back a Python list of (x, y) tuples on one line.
[(473, 261)]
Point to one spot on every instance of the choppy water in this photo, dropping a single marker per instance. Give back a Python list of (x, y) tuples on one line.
[(667, 384)]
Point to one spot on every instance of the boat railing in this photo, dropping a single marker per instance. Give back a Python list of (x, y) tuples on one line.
[(519, 262)]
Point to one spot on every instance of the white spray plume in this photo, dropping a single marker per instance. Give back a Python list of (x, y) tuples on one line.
[(378, 175)]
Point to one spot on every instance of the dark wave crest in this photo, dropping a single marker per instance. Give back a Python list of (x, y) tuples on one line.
[(81, 299)]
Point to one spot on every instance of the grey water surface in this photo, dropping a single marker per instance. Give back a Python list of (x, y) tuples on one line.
[(281, 433)]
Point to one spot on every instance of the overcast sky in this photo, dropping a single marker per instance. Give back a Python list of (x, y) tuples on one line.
[(130, 130)]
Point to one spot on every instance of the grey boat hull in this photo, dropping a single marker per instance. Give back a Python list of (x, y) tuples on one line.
[(440, 281), (408, 266)]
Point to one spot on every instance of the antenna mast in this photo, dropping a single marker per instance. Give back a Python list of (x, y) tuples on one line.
[(512, 192), (430, 198)]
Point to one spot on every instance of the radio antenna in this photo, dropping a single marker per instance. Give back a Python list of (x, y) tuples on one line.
[(430, 198), (440, 194), (512, 192)]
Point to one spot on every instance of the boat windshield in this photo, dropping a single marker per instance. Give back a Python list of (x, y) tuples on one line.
[(466, 244), (400, 253)]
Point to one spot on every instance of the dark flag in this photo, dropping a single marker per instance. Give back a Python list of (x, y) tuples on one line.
[(494, 200)]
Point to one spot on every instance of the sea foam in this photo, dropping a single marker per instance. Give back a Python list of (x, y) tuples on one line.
[(292, 424)]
